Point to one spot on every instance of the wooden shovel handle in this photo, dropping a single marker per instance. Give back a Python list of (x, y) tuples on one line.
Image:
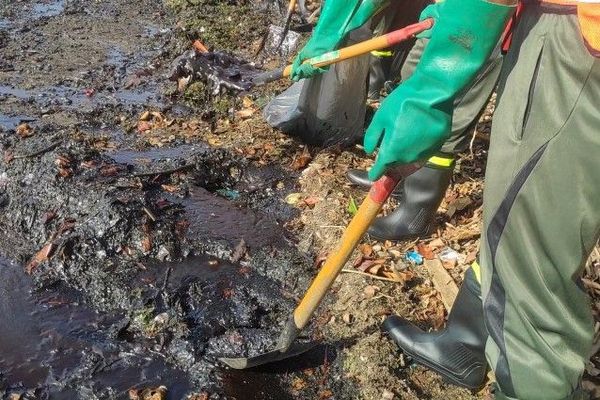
[(370, 207), (332, 57)]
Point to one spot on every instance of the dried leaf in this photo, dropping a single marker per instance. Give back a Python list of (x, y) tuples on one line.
[(64, 172), (245, 113), (48, 216), (325, 394), (365, 265), (43, 255), (24, 130), (181, 227), (458, 205), (62, 161), (321, 258), (299, 384), (159, 393), (437, 243), (147, 244), (227, 293), (471, 256), (109, 170), (311, 200), (8, 156), (301, 161), (247, 102), (170, 188), (143, 126), (425, 251), (366, 249), (239, 252), (89, 164), (370, 291), (374, 270), (293, 198)]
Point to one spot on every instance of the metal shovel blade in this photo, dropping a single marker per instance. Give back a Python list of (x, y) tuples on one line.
[(266, 358)]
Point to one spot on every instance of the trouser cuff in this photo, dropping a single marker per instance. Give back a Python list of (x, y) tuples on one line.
[(578, 394)]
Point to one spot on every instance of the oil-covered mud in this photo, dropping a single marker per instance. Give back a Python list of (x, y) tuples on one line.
[(191, 273), (54, 346), (133, 266), (221, 71)]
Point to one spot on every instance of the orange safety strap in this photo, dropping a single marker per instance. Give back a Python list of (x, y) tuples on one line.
[(588, 14), (589, 22), (510, 27)]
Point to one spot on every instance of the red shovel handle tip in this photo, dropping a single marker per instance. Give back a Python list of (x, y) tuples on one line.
[(384, 186), (403, 34)]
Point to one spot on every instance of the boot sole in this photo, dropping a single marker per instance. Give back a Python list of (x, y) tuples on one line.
[(444, 373)]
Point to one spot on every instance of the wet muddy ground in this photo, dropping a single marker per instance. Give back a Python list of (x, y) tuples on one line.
[(132, 267), (145, 233)]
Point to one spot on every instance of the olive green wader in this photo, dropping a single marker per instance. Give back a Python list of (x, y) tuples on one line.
[(470, 104), (541, 209)]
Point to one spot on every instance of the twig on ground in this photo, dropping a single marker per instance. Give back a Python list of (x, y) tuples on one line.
[(165, 172), (379, 278), (591, 284), (39, 152)]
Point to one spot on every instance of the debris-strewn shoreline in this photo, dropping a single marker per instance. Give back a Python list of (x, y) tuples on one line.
[(153, 231)]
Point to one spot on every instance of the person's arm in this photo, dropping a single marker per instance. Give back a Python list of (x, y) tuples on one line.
[(338, 18), (413, 122)]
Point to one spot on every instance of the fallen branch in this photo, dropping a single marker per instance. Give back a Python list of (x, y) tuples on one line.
[(165, 172), (591, 284), (442, 281), (39, 152), (379, 278)]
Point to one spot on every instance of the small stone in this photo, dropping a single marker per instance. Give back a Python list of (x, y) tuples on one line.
[(348, 318), (387, 395), (370, 291)]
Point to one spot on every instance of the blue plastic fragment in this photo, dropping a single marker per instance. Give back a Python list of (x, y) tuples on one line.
[(414, 257), (229, 194)]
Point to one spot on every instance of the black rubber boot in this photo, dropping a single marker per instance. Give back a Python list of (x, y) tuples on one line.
[(456, 352), (360, 177), (377, 77), (422, 194)]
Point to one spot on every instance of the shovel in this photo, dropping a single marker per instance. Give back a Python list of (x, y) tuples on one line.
[(288, 21), (226, 71), (379, 193), (365, 47)]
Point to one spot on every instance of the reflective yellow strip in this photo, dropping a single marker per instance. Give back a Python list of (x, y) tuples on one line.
[(477, 270), (441, 161), (382, 53)]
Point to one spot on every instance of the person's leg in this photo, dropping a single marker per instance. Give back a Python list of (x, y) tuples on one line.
[(422, 192), (541, 210), (457, 351)]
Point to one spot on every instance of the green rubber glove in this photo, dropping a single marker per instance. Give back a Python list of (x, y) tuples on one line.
[(415, 120), (431, 11), (338, 18)]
